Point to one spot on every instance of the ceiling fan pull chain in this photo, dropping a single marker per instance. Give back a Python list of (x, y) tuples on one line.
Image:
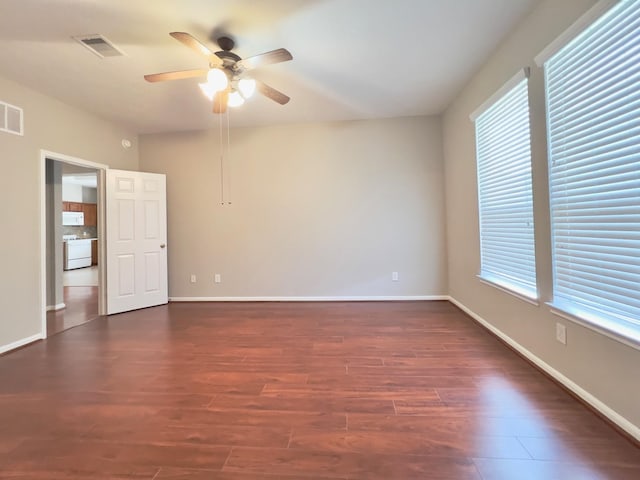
[(228, 157), (221, 163)]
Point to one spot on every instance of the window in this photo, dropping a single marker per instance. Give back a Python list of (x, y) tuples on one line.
[(503, 150), (593, 121)]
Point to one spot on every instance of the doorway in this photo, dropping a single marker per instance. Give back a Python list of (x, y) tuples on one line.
[(73, 260)]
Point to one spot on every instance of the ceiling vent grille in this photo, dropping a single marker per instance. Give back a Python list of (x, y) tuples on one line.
[(99, 45), (11, 119)]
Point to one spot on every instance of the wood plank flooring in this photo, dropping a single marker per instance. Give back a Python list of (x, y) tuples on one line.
[(81, 307), (242, 391)]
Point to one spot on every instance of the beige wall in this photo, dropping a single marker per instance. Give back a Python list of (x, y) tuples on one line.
[(318, 210), (54, 126), (603, 367)]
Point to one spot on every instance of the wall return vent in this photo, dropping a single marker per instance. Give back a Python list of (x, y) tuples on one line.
[(11, 119), (99, 45)]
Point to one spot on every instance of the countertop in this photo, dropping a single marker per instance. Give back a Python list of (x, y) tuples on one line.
[(76, 239)]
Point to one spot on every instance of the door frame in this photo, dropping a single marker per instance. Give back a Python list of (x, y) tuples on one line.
[(102, 272)]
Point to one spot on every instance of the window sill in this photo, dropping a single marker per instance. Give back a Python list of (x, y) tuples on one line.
[(604, 327), (505, 289)]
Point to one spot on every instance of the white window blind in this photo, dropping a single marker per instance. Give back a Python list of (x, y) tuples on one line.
[(503, 150), (593, 109)]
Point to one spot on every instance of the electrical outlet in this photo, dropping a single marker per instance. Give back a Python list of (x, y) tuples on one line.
[(193, 278), (217, 278), (394, 276), (561, 333)]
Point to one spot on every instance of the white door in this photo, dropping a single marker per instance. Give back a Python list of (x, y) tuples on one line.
[(136, 211)]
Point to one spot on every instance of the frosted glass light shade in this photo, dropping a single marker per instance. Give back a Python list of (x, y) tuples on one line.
[(235, 99), (247, 86), (207, 90), (217, 79)]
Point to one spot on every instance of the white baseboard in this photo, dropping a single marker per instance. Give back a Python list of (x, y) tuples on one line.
[(59, 306), (594, 402), (20, 343), (310, 299)]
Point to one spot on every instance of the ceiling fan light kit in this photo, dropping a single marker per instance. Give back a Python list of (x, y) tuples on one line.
[(247, 87), (235, 99), (227, 83), (207, 90), (217, 79)]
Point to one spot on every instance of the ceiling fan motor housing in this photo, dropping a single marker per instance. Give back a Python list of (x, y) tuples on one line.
[(226, 43), (229, 58)]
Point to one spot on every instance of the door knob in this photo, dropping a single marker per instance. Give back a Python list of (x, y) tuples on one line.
[(162, 245)]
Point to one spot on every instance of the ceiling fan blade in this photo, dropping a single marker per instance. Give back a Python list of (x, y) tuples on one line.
[(220, 101), (272, 93), (161, 77), (267, 58), (194, 44)]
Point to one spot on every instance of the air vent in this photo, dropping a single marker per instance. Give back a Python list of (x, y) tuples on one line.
[(99, 45), (11, 120)]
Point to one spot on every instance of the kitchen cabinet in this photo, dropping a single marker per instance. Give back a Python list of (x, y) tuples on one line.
[(90, 214), (72, 207), (94, 252)]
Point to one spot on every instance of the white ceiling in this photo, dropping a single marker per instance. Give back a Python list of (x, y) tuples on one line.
[(353, 59), (77, 175), (84, 180)]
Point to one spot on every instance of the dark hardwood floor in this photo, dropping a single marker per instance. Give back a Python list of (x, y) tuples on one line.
[(241, 391), (81, 307)]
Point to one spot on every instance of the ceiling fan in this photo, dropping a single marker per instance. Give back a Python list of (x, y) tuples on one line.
[(227, 83)]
